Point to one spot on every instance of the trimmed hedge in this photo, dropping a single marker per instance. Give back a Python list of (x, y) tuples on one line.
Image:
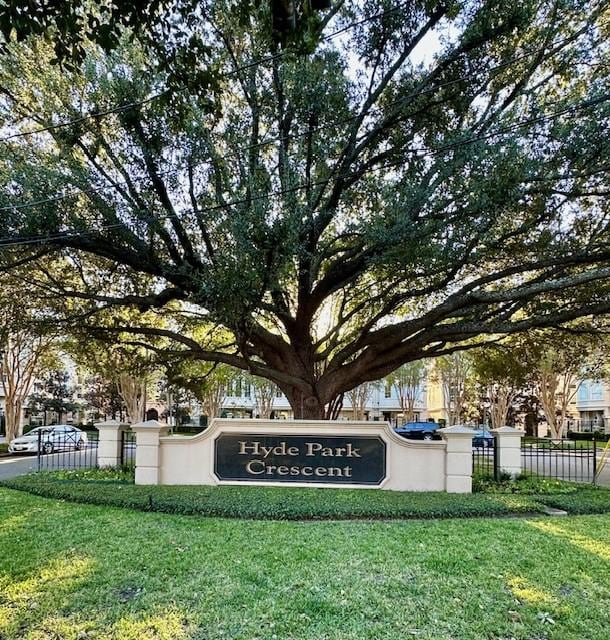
[(586, 501), (273, 502), (525, 484), (581, 435)]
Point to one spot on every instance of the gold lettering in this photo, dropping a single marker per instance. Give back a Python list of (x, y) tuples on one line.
[(250, 467), (320, 471), (312, 447), (351, 452), (282, 470), (248, 447)]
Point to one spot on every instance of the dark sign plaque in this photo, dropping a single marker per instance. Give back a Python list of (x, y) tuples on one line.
[(288, 458)]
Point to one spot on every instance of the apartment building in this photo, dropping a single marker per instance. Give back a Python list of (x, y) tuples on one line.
[(383, 403), (593, 406)]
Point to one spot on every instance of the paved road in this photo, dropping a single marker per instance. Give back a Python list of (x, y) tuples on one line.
[(11, 467), (19, 465)]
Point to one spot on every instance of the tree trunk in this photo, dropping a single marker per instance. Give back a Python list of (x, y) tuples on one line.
[(13, 418), (305, 406), (132, 393)]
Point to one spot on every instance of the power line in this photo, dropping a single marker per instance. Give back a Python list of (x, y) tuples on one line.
[(7, 241), (289, 137), (136, 103)]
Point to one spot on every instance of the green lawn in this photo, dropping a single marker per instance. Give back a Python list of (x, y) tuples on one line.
[(74, 572)]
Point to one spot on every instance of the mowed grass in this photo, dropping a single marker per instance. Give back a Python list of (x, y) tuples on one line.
[(73, 572)]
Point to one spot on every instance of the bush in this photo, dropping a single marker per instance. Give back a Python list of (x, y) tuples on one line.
[(590, 435), (585, 501), (525, 484), (277, 503)]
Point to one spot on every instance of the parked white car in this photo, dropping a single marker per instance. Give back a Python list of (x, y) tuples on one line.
[(59, 437)]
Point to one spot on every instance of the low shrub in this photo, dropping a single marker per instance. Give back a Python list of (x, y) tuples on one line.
[(277, 503), (585, 501), (525, 484), (122, 474), (591, 435), (3, 447)]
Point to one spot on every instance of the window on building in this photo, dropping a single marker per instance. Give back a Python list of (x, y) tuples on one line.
[(583, 391), (388, 390), (247, 389), (238, 388)]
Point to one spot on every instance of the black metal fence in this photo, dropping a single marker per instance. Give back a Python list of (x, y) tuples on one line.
[(485, 459), (128, 449), (66, 448), (570, 460), (601, 425)]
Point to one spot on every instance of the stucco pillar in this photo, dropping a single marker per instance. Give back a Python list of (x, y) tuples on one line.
[(109, 444), (458, 459), (147, 450), (508, 449)]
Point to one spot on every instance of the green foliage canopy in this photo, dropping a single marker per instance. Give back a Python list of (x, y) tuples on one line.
[(339, 212)]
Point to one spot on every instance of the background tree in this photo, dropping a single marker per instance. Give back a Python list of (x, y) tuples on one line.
[(407, 381), (501, 373), (55, 394), (455, 375), (26, 351), (558, 363), (265, 393), (359, 398), (131, 369), (209, 384), (430, 201), (101, 396)]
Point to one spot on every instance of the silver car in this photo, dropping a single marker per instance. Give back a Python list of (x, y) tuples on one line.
[(59, 437)]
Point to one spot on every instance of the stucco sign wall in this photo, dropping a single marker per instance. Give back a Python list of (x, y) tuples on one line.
[(358, 455)]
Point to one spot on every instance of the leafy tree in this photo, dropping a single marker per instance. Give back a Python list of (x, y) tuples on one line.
[(558, 363), (359, 397), (54, 394), (72, 26), (131, 370), (455, 375), (27, 350), (407, 381), (501, 372), (265, 393), (422, 203), (101, 396), (208, 383)]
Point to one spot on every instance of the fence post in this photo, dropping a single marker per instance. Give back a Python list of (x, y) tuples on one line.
[(458, 459), (109, 445), (147, 450), (508, 450)]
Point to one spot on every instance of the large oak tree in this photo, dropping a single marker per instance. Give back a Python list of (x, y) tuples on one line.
[(413, 178)]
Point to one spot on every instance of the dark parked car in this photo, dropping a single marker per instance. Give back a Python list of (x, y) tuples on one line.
[(482, 438), (419, 430)]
